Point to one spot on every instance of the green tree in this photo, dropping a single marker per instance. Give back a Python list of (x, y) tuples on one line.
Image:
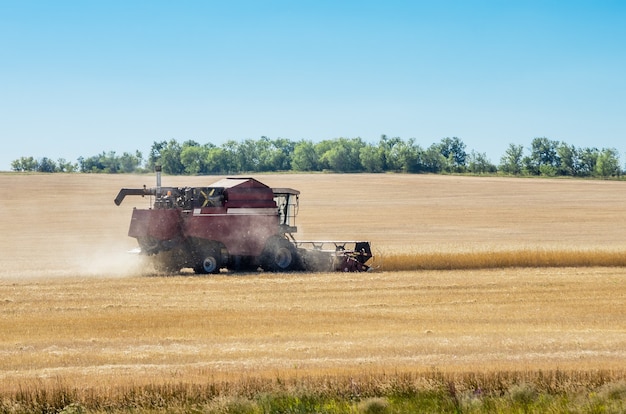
[(248, 156), (219, 161), (65, 166), (608, 163), (337, 159), (453, 150), (548, 170), (46, 165), (371, 159), (169, 158), (106, 162), (24, 164), (408, 157), (231, 154), (274, 155), (587, 160), (478, 163), (304, 157), (344, 155), (322, 148), (263, 149), (433, 160), (154, 157), (543, 153), (130, 163), (194, 157), (283, 153), (511, 161), (568, 159), (101, 163), (390, 150)]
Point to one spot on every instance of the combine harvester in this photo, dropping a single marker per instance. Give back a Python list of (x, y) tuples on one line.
[(235, 223)]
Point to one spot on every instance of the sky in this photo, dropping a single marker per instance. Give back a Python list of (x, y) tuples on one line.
[(81, 77)]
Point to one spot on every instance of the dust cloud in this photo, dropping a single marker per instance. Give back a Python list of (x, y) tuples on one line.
[(66, 257), (106, 259), (65, 226)]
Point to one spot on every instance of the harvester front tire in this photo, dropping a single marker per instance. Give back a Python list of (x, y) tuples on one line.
[(283, 258), (280, 256)]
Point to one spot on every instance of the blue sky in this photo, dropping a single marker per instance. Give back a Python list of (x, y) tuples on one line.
[(81, 77)]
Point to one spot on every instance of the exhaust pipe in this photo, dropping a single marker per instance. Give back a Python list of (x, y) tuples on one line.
[(157, 169)]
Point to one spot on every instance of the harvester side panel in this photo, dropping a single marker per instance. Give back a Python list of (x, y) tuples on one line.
[(156, 224), (242, 234)]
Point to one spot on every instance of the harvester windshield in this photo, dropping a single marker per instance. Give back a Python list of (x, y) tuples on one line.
[(287, 200)]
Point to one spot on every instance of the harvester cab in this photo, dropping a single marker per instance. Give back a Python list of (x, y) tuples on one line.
[(287, 200), (235, 223)]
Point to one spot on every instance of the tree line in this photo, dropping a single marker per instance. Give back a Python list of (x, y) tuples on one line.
[(544, 157)]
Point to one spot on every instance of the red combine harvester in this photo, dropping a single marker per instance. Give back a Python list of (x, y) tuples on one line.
[(234, 223)]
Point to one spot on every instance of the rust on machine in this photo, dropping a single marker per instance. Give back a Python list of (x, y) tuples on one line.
[(234, 223)]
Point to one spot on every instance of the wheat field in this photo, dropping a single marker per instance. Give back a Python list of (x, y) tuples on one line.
[(473, 274)]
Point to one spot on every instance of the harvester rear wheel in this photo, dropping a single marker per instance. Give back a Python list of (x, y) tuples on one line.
[(209, 265), (208, 260)]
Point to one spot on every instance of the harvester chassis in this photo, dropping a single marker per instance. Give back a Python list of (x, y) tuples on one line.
[(236, 223)]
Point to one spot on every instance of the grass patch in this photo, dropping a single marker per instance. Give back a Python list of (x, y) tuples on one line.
[(507, 391)]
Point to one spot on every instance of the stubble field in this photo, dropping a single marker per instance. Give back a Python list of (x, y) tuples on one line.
[(464, 283)]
